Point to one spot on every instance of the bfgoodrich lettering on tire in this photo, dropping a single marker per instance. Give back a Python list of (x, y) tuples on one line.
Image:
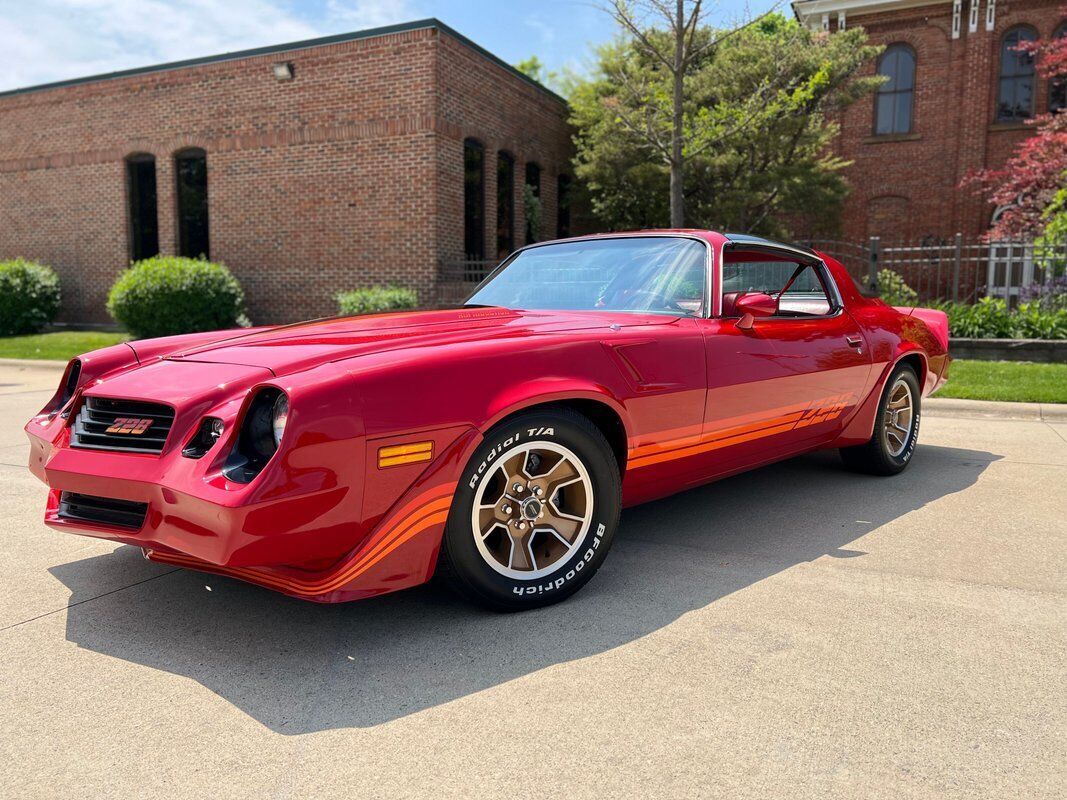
[(535, 512), (896, 427)]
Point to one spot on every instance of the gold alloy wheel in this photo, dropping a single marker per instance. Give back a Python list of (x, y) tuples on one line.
[(532, 511), (897, 420)]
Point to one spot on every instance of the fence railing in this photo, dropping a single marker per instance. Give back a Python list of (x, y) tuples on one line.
[(956, 269), (457, 279)]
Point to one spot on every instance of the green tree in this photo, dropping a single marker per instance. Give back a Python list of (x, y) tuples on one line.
[(756, 126)]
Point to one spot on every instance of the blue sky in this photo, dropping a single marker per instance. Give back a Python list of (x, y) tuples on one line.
[(49, 40)]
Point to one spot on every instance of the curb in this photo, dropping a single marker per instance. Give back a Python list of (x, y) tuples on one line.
[(34, 363), (989, 409)]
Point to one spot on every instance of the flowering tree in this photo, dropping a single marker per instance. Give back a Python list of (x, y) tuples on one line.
[(1032, 185)]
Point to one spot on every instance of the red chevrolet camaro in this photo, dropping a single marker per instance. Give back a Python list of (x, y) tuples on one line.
[(493, 443)]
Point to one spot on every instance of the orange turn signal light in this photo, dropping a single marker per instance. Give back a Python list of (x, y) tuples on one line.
[(398, 454)]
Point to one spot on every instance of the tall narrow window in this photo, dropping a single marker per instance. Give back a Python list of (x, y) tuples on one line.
[(1015, 95), (893, 101), (533, 201), (1057, 88), (190, 168), (563, 206), (141, 209), (473, 200), (505, 204)]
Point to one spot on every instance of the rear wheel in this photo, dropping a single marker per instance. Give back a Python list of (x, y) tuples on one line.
[(535, 513), (896, 428)]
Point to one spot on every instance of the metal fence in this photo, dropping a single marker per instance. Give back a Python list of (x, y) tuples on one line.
[(955, 269)]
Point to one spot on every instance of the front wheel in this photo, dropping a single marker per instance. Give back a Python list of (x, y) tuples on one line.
[(896, 428), (534, 514)]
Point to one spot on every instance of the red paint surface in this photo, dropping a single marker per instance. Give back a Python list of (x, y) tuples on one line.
[(698, 399)]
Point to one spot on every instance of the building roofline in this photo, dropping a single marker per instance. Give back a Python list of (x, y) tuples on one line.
[(305, 44), (803, 9)]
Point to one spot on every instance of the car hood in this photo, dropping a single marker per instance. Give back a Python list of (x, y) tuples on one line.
[(292, 348)]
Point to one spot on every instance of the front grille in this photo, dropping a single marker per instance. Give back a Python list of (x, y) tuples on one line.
[(105, 510), (130, 426)]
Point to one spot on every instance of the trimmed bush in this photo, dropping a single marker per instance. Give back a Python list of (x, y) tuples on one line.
[(29, 296), (893, 290), (165, 295), (376, 299), (990, 318)]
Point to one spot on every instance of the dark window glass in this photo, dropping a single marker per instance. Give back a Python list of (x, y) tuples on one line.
[(893, 102), (563, 206), (533, 180), (1015, 95), (1057, 89), (505, 204), (473, 200), (141, 206), (190, 166)]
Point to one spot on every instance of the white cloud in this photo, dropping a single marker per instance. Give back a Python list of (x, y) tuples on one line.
[(371, 13), (51, 40)]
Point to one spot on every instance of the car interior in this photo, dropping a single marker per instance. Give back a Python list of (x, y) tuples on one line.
[(796, 285)]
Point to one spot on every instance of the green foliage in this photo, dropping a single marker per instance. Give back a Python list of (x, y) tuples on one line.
[(990, 318), (376, 299), (533, 210), (167, 295), (757, 128), (893, 289), (29, 296)]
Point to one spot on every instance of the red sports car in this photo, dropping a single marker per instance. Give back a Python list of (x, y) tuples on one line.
[(493, 443)]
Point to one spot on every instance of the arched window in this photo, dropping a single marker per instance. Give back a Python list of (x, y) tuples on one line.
[(505, 204), (473, 200), (563, 206), (141, 209), (1057, 89), (1015, 94), (533, 215), (893, 101), (190, 169)]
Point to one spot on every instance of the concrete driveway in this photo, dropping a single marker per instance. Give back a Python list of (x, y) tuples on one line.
[(797, 631)]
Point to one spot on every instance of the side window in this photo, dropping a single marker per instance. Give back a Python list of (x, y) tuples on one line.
[(746, 273)]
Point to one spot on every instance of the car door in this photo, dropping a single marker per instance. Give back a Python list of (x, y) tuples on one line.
[(789, 382)]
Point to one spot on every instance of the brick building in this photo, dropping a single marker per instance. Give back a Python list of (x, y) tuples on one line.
[(307, 168), (958, 100)]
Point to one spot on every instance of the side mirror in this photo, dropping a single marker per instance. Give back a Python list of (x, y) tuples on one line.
[(751, 306)]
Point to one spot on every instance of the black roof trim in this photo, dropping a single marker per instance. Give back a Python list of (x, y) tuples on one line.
[(370, 33), (749, 239)]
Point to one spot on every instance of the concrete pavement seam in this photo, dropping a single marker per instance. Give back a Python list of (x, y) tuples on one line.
[(89, 600)]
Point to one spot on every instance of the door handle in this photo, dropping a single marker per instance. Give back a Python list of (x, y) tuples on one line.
[(854, 341)]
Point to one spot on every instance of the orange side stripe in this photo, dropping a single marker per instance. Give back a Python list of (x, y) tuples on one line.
[(422, 516), (832, 408)]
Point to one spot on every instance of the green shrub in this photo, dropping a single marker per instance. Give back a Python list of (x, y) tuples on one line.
[(376, 299), (29, 296), (1034, 322), (893, 290), (989, 318), (166, 295)]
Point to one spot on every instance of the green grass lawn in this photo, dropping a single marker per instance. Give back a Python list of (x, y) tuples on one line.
[(1006, 380), (58, 346)]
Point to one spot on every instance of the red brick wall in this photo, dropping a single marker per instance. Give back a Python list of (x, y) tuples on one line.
[(349, 175), (908, 187), (503, 114)]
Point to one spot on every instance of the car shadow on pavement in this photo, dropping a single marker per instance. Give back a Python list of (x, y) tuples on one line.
[(298, 667)]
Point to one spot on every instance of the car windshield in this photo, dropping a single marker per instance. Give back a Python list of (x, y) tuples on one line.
[(660, 275)]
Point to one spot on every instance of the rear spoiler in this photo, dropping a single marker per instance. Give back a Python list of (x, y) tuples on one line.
[(936, 321)]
